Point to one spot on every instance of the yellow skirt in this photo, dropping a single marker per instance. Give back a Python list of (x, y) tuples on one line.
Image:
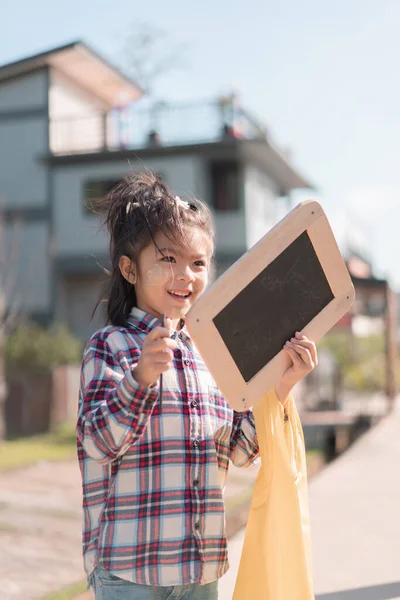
[(276, 556)]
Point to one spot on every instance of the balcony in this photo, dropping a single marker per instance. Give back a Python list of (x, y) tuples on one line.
[(163, 124)]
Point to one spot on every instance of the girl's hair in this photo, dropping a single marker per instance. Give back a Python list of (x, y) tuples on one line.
[(136, 209)]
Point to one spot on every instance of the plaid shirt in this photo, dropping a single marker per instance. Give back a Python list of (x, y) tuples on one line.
[(153, 506)]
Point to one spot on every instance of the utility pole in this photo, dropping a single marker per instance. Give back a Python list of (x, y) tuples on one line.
[(391, 346)]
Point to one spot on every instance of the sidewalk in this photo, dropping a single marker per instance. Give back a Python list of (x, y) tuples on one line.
[(40, 526), (355, 518)]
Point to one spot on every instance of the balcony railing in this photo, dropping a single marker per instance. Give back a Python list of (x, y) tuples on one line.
[(160, 125)]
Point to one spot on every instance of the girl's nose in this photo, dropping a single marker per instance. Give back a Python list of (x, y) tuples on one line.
[(185, 274)]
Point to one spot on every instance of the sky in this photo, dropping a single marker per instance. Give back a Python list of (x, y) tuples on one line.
[(323, 76)]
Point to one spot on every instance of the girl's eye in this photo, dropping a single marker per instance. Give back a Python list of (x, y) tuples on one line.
[(200, 263), (168, 259)]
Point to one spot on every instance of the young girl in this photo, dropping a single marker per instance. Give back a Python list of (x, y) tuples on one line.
[(153, 468)]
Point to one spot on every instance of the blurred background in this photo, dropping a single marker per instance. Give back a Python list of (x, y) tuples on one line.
[(252, 106)]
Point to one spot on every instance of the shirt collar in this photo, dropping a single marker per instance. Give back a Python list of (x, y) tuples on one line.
[(139, 319)]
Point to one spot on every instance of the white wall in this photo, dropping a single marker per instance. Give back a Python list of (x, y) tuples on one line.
[(260, 204), (24, 265), (28, 92), (66, 99), (76, 117), (22, 176), (77, 232)]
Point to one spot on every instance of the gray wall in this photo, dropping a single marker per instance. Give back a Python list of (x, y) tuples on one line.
[(23, 178), (24, 249), (24, 185), (23, 140), (28, 92), (77, 232)]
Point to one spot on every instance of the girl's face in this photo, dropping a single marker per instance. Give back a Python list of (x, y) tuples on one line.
[(172, 281)]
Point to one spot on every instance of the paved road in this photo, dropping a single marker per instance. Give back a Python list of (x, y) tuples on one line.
[(355, 516)]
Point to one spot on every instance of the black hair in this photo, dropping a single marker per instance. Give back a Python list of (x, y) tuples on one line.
[(136, 209)]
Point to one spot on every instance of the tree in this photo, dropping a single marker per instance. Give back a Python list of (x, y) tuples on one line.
[(150, 54), (3, 387), (10, 305)]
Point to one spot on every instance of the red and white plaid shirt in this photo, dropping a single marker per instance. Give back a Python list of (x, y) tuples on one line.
[(153, 506)]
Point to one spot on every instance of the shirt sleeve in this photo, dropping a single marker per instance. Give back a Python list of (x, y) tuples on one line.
[(244, 448), (114, 408)]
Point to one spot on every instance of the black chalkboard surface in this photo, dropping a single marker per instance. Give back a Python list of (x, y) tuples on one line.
[(281, 300)]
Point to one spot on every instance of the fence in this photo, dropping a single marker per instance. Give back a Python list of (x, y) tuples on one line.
[(160, 124)]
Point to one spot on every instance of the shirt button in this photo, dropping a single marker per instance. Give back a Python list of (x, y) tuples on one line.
[(196, 443), (187, 362), (196, 482), (195, 404), (197, 525)]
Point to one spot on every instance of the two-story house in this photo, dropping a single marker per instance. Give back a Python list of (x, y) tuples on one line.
[(70, 127)]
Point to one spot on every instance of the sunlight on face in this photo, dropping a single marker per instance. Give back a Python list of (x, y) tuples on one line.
[(170, 281)]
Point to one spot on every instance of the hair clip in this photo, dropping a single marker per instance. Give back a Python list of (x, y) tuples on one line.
[(182, 203), (185, 205), (130, 206)]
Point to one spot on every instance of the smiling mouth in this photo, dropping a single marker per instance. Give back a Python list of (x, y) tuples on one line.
[(179, 295)]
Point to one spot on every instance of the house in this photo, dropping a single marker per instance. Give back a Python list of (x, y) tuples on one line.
[(70, 127)]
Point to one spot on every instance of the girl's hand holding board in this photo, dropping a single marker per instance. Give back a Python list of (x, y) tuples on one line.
[(303, 353), (156, 356)]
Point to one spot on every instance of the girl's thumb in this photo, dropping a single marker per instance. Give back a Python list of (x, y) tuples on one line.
[(168, 323)]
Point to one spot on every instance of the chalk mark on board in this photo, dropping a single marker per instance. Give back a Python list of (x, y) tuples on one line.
[(294, 266), (273, 282)]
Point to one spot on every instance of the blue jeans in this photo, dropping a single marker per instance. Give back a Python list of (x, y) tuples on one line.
[(109, 587)]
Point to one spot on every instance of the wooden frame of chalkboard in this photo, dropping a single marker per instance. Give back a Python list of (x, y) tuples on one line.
[(293, 279)]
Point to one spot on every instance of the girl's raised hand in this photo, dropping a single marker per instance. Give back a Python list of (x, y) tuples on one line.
[(156, 356), (303, 353)]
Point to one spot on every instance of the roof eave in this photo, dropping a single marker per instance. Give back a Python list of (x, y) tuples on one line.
[(277, 165)]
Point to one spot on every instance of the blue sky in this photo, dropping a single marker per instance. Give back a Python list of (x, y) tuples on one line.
[(323, 76)]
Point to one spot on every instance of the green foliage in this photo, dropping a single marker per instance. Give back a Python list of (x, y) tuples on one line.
[(367, 376), (68, 592), (361, 359), (341, 346), (59, 444), (34, 349)]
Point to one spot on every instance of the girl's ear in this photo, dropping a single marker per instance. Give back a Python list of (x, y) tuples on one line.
[(128, 269)]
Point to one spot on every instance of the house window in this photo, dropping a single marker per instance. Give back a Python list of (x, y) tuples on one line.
[(95, 191), (225, 188)]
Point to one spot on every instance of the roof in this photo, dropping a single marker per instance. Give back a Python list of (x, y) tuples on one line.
[(82, 65)]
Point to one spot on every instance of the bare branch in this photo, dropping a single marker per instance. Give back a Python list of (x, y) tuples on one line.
[(150, 54)]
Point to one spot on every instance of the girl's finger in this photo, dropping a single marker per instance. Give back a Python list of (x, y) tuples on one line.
[(294, 356), (310, 347), (157, 333), (162, 356), (162, 366), (161, 345), (303, 352), (304, 341)]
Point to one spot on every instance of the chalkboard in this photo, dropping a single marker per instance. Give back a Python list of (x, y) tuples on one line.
[(281, 300), (293, 279)]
